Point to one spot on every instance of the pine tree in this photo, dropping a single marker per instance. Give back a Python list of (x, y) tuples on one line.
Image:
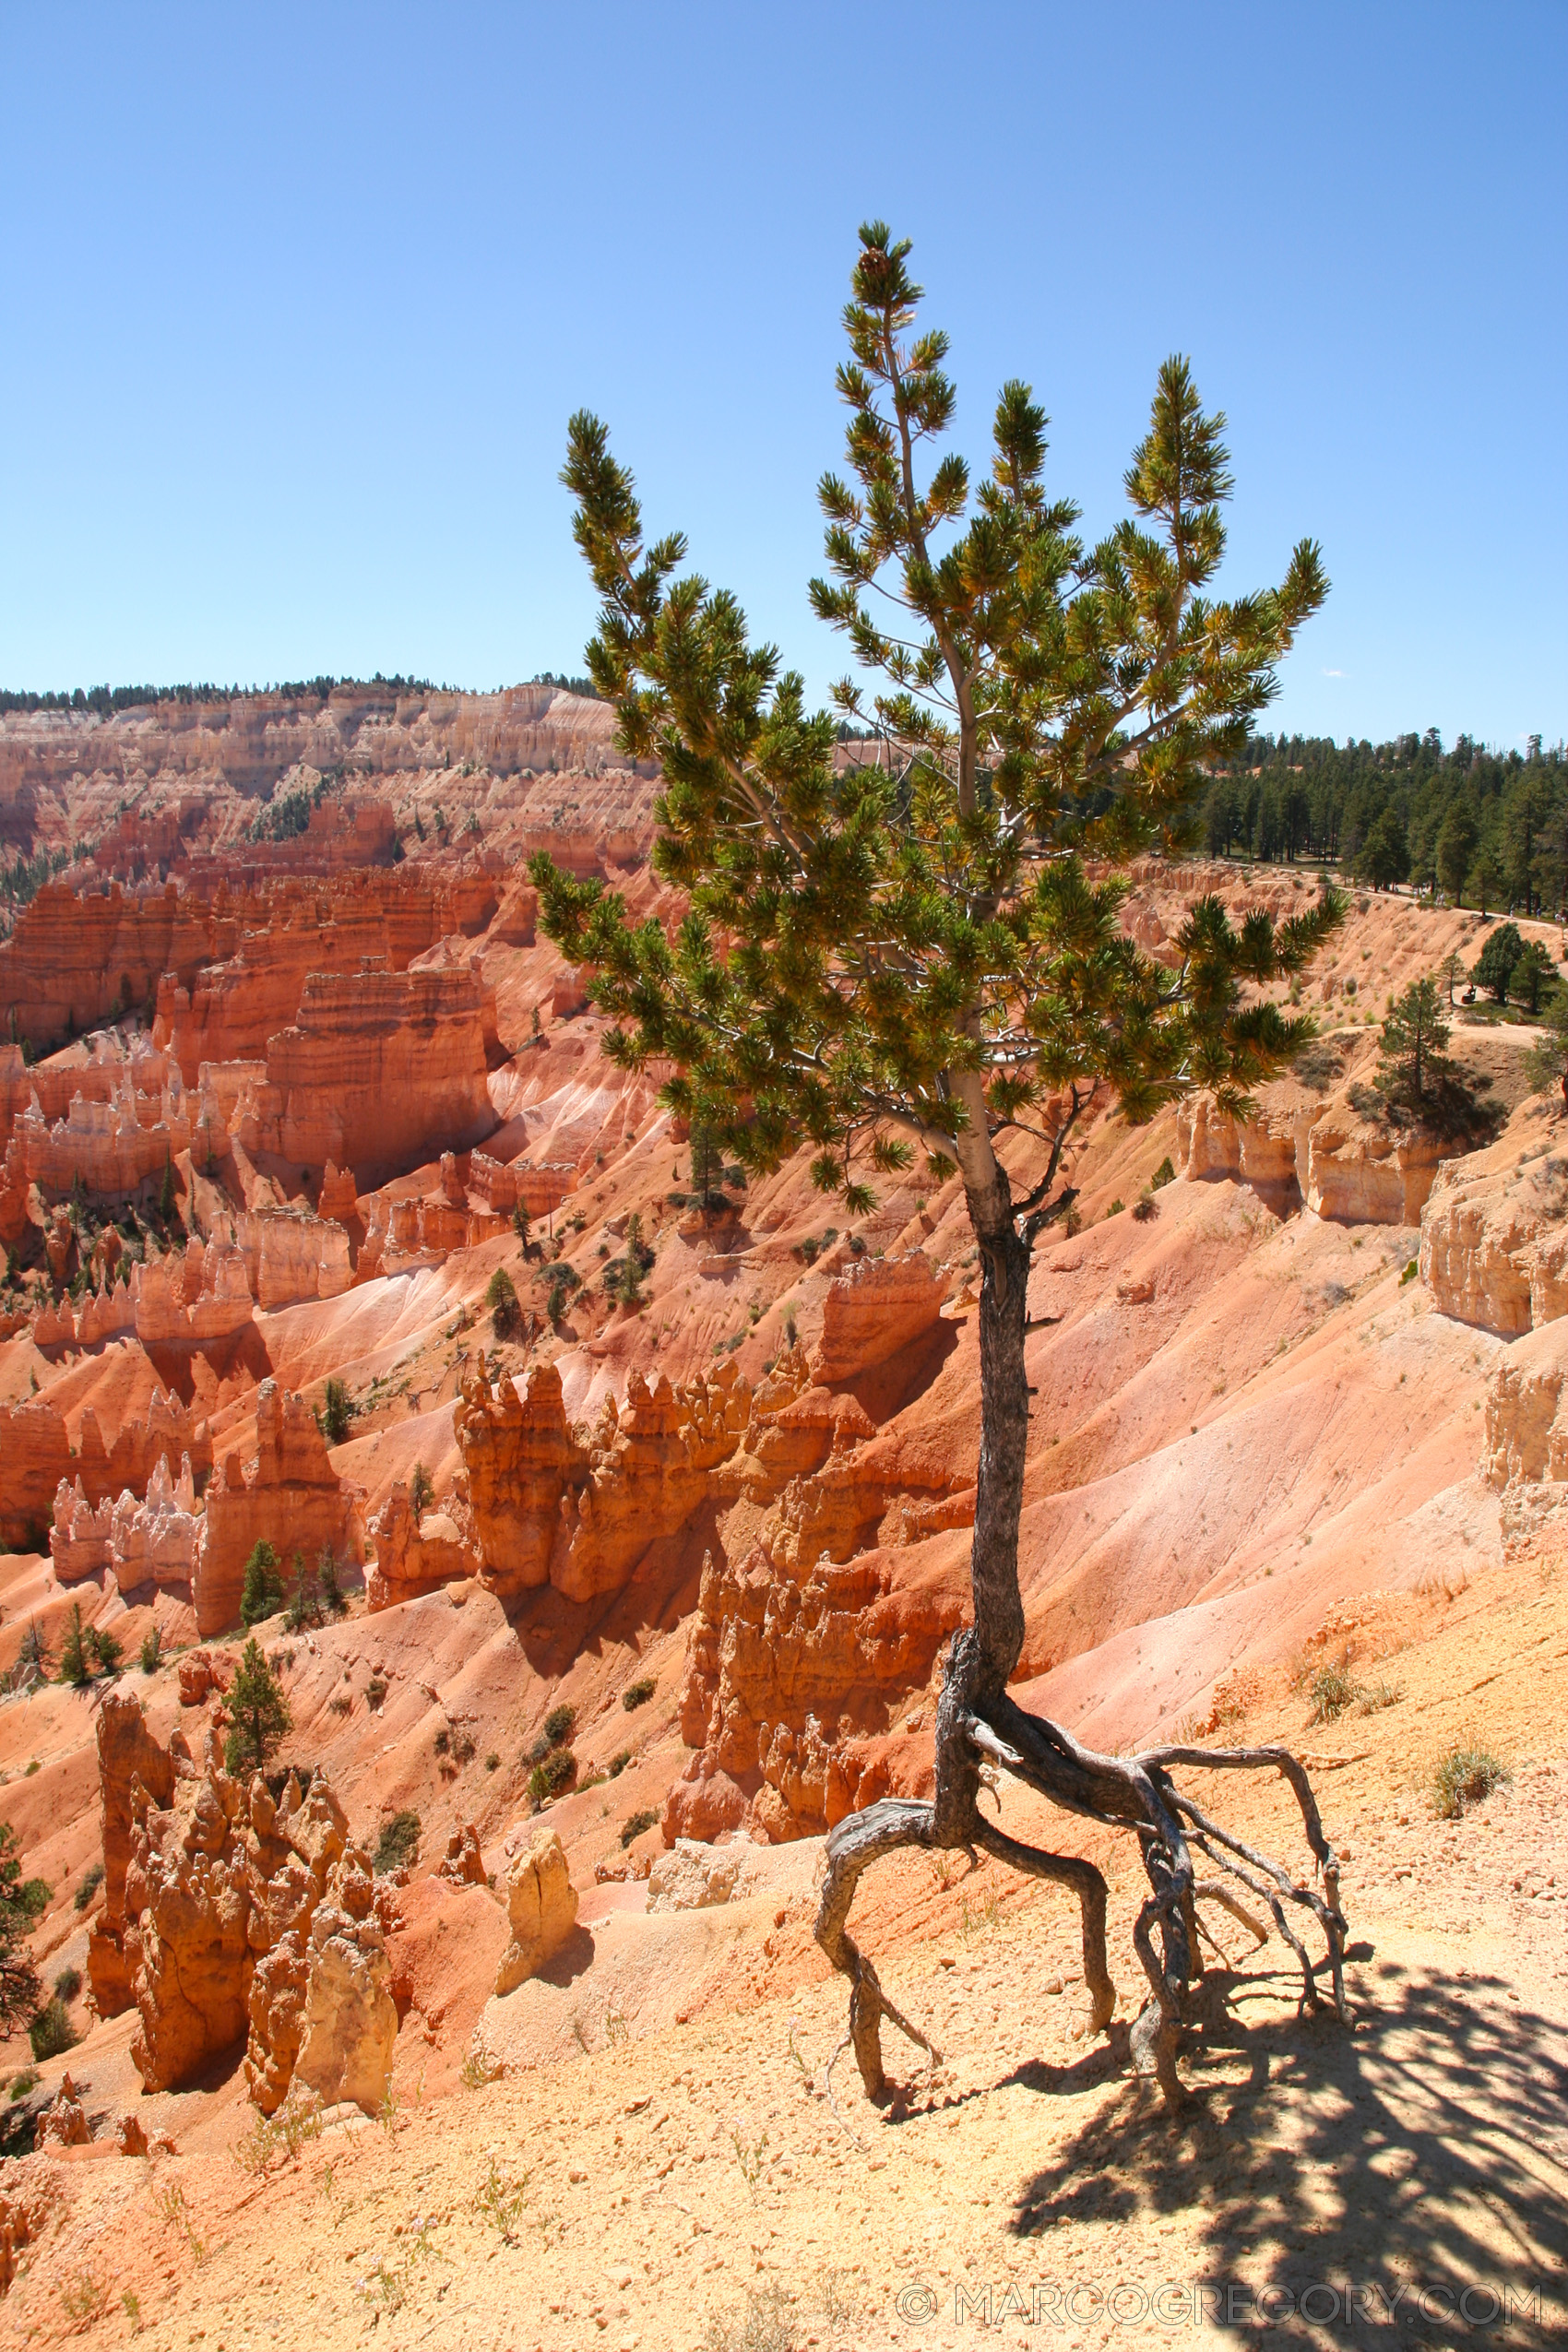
[(34, 1658), (262, 1592), (900, 949), (1533, 971), (1415, 1037), (23, 1903), (1452, 968), (258, 1714), (1547, 1061), (1480, 882), (1456, 847), (421, 1490), (304, 1604), (326, 1579), (74, 1666), (166, 1190), (1494, 967), (105, 1649)]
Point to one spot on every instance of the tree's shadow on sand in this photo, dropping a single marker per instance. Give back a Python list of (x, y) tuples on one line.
[(1425, 2147)]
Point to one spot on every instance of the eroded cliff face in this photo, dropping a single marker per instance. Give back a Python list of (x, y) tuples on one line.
[(1494, 1237), (1326, 1155), (379, 1070), (578, 1507), (288, 1494)]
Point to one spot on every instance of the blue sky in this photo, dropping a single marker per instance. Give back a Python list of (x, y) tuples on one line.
[(298, 302)]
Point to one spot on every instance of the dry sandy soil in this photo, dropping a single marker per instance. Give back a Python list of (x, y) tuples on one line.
[(687, 2180)]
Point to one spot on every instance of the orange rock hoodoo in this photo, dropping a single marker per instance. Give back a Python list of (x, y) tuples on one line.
[(378, 1070), (579, 1508), (290, 1495)]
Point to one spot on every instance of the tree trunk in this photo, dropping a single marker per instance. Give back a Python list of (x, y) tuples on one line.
[(976, 1722), (985, 1653)]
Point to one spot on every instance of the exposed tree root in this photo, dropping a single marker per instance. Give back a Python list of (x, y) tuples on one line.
[(1136, 1793)]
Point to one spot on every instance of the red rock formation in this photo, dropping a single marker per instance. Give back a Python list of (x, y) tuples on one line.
[(350, 2023), (579, 1511), (414, 1559), (1494, 1233), (290, 1254), (187, 1904), (874, 1308), (289, 1494), (339, 1199), (129, 1758), (520, 1457), (463, 1863), (1343, 1166), (210, 1895), (37, 1455), (380, 1070), (791, 1679), (152, 1541)]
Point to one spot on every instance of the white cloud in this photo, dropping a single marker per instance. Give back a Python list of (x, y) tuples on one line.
[(1333, 673)]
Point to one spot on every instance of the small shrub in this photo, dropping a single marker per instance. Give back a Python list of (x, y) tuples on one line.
[(91, 1881), (336, 1411), (501, 1298), (502, 2201), (637, 1694), (84, 2300), (493, 1760), (636, 1822), (1380, 1694), (1464, 1776), (1331, 1691), (422, 1490), (52, 2032), (1144, 1207), (34, 1766), (444, 1741), (28, 2079), (151, 1651), (1116, 1208), (399, 1844), (539, 1750), (618, 1764), (549, 1778), (107, 1649), (559, 1725), (1164, 1174), (68, 1985), (462, 1747), (376, 1691)]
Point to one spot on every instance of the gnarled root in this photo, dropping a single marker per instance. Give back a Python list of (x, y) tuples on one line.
[(1136, 1793)]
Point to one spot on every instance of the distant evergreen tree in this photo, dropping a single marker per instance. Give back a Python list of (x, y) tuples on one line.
[(1533, 971), (23, 1903), (261, 1595), (258, 1714), (1494, 967), (1415, 1036), (74, 1665)]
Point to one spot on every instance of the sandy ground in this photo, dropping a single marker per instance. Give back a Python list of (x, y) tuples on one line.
[(688, 2184)]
